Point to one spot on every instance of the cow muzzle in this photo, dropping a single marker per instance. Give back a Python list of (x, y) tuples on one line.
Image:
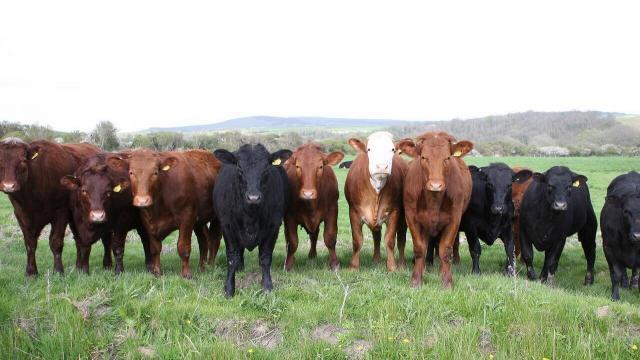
[(142, 201), (307, 194), (97, 216), (9, 186), (497, 209), (635, 236), (436, 186), (253, 198), (559, 205)]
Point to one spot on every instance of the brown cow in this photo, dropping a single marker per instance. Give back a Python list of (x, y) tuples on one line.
[(373, 189), (517, 193), (313, 190), (174, 191), (30, 175), (102, 209), (437, 190)]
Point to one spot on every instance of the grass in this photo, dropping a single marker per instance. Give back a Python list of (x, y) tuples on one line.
[(136, 315)]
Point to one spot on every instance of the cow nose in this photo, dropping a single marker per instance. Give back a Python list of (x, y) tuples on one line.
[(382, 167), (253, 198), (636, 236), (435, 185), (97, 216), (8, 186), (560, 205), (308, 194), (142, 200), (497, 209)]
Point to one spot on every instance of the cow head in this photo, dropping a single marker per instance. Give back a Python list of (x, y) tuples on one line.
[(435, 151), (379, 150), (308, 162), (16, 156), (95, 185), (559, 182), (252, 163), (146, 170), (498, 179), (629, 204)]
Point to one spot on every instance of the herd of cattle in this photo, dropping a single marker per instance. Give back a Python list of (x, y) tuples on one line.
[(246, 195)]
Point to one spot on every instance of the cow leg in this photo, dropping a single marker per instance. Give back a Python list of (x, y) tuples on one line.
[(402, 240), (233, 260), (85, 253), (184, 246), (587, 237), (330, 234), (509, 248), (624, 283), (431, 249), (202, 232), (445, 251), (107, 261), (615, 271), (56, 239), (516, 236), (215, 234), (390, 239), (117, 246), (144, 238), (419, 251), (456, 250), (527, 254), (155, 248), (551, 259), (357, 239), (474, 249), (265, 254), (635, 279), (377, 238), (313, 242), (291, 237)]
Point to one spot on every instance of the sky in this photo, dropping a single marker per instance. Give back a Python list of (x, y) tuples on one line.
[(140, 64)]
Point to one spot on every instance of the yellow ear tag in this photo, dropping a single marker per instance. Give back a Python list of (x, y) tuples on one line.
[(166, 168), (276, 162), (457, 153), (117, 188), (35, 155), (399, 152), (576, 183)]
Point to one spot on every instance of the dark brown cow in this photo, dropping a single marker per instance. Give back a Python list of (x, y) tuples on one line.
[(373, 189), (102, 209), (437, 190), (313, 190), (174, 191), (517, 193), (30, 175)]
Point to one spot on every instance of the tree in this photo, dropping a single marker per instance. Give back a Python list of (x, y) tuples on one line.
[(104, 136)]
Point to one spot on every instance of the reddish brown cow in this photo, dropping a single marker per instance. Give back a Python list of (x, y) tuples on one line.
[(30, 175), (373, 189), (517, 193), (102, 209), (313, 189), (174, 191), (437, 190)]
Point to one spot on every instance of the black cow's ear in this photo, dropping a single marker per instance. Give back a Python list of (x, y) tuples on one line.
[(540, 177), (522, 176), (70, 182), (473, 169), (279, 157), (225, 156), (578, 180), (33, 152), (614, 200)]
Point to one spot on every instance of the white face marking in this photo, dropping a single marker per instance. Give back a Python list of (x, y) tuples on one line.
[(380, 150)]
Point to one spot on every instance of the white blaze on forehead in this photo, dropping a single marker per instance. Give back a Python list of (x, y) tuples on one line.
[(380, 151)]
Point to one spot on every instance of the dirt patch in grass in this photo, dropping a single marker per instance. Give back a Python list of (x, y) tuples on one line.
[(358, 349), (147, 351), (95, 305), (244, 333), (625, 331), (485, 345), (328, 333), (603, 311)]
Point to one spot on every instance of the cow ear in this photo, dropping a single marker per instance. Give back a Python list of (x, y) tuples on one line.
[(333, 158), (279, 157), (614, 200), (357, 145), (522, 176), (579, 180), (461, 148), (33, 152), (168, 163), (70, 182), (117, 163), (225, 156), (120, 185), (474, 169), (540, 177), (407, 146)]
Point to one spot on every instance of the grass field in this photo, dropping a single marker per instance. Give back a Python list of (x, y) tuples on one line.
[(306, 316)]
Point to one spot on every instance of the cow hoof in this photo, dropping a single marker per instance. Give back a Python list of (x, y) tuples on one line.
[(531, 274), (376, 259), (615, 297), (354, 267), (187, 275), (456, 260), (31, 273), (228, 293), (313, 255), (415, 283), (118, 271), (635, 282), (588, 279), (475, 271), (334, 266)]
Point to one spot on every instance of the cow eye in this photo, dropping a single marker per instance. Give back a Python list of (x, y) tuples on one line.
[(84, 192), (131, 173), (368, 150)]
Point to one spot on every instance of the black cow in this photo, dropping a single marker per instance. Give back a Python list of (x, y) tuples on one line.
[(556, 205), (490, 212), (250, 197), (620, 226), (345, 165)]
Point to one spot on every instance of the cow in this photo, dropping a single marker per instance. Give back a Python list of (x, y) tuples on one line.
[(251, 197), (437, 190), (313, 190), (490, 212), (373, 190), (101, 204), (30, 175), (556, 205), (620, 227), (517, 193), (173, 191), (345, 165)]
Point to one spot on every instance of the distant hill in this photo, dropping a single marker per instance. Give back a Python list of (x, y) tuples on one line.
[(271, 123)]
